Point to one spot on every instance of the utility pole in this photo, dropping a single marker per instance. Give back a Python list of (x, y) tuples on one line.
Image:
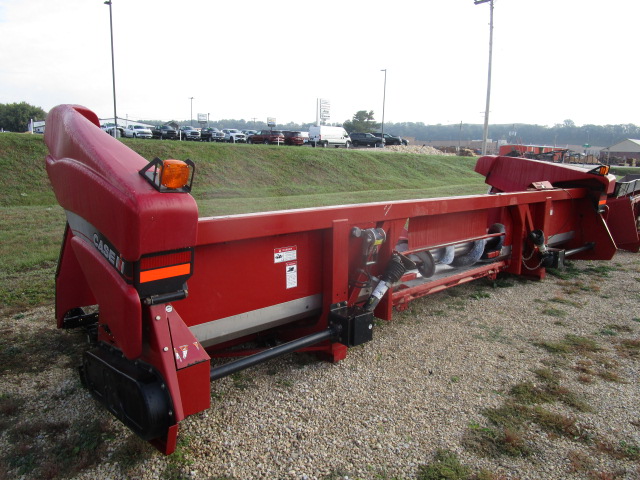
[(113, 72), (384, 98), (191, 98), (486, 110)]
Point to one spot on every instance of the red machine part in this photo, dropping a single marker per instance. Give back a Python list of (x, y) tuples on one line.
[(519, 150), (622, 212), (303, 277), (620, 201)]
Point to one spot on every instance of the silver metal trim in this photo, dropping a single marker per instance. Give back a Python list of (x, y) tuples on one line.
[(559, 238), (236, 326)]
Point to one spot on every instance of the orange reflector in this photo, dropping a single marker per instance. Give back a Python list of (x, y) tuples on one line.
[(175, 174), (165, 272), (158, 261), (604, 170)]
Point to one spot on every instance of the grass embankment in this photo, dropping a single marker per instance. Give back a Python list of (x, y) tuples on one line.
[(229, 179)]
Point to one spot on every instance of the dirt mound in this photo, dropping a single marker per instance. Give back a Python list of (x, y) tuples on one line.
[(423, 149)]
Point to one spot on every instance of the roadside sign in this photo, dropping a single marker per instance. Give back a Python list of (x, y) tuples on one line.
[(325, 109)]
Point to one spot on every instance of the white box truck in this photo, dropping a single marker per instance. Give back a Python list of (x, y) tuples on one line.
[(325, 136)]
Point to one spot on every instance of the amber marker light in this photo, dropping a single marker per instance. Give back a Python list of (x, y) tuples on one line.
[(600, 170), (175, 174), (169, 176)]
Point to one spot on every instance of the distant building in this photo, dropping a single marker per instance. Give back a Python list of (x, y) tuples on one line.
[(626, 150), (37, 127), (122, 123)]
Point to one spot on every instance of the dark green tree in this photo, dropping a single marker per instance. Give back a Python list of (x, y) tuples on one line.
[(362, 122), (15, 117)]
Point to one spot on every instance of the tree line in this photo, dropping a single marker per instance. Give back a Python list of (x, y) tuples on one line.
[(560, 134), (15, 117), (566, 133)]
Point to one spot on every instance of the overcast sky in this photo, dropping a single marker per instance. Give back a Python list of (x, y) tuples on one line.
[(552, 59)]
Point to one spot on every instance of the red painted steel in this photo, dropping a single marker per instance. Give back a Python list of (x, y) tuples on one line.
[(623, 212), (509, 174), (277, 275), (522, 150), (96, 177)]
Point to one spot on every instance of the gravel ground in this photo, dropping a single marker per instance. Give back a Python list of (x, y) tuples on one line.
[(421, 385)]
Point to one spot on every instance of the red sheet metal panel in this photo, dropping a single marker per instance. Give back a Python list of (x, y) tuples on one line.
[(72, 287), (509, 174), (623, 214), (96, 177), (120, 307), (234, 277), (432, 230)]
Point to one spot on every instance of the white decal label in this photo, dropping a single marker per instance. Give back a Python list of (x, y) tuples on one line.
[(292, 274), (285, 254)]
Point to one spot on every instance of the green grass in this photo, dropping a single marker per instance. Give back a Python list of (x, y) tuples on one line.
[(629, 348), (620, 172), (24, 181), (76, 447), (554, 312), (445, 466), (493, 442), (510, 423), (22, 351), (229, 179), (527, 393), (178, 463), (571, 344)]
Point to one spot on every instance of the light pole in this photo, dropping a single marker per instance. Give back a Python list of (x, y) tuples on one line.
[(384, 98), (191, 98), (113, 72), (486, 110)]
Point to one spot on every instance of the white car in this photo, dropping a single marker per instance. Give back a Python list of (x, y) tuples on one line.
[(137, 131), (234, 135)]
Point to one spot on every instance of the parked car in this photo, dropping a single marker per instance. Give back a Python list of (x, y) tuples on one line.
[(325, 136), (234, 135), (391, 139), (109, 129), (211, 135), (164, 131), (366, 139), (267, 137), (189, 133), (248, 133), (293, 138), (137, 131)]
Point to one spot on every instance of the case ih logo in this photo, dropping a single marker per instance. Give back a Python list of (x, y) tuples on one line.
[(112, 256)]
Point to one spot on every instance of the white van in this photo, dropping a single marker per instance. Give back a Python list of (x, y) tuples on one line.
[(325, 136)]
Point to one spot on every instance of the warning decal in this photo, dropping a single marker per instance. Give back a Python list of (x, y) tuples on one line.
[(285, 254), (292, 274)]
